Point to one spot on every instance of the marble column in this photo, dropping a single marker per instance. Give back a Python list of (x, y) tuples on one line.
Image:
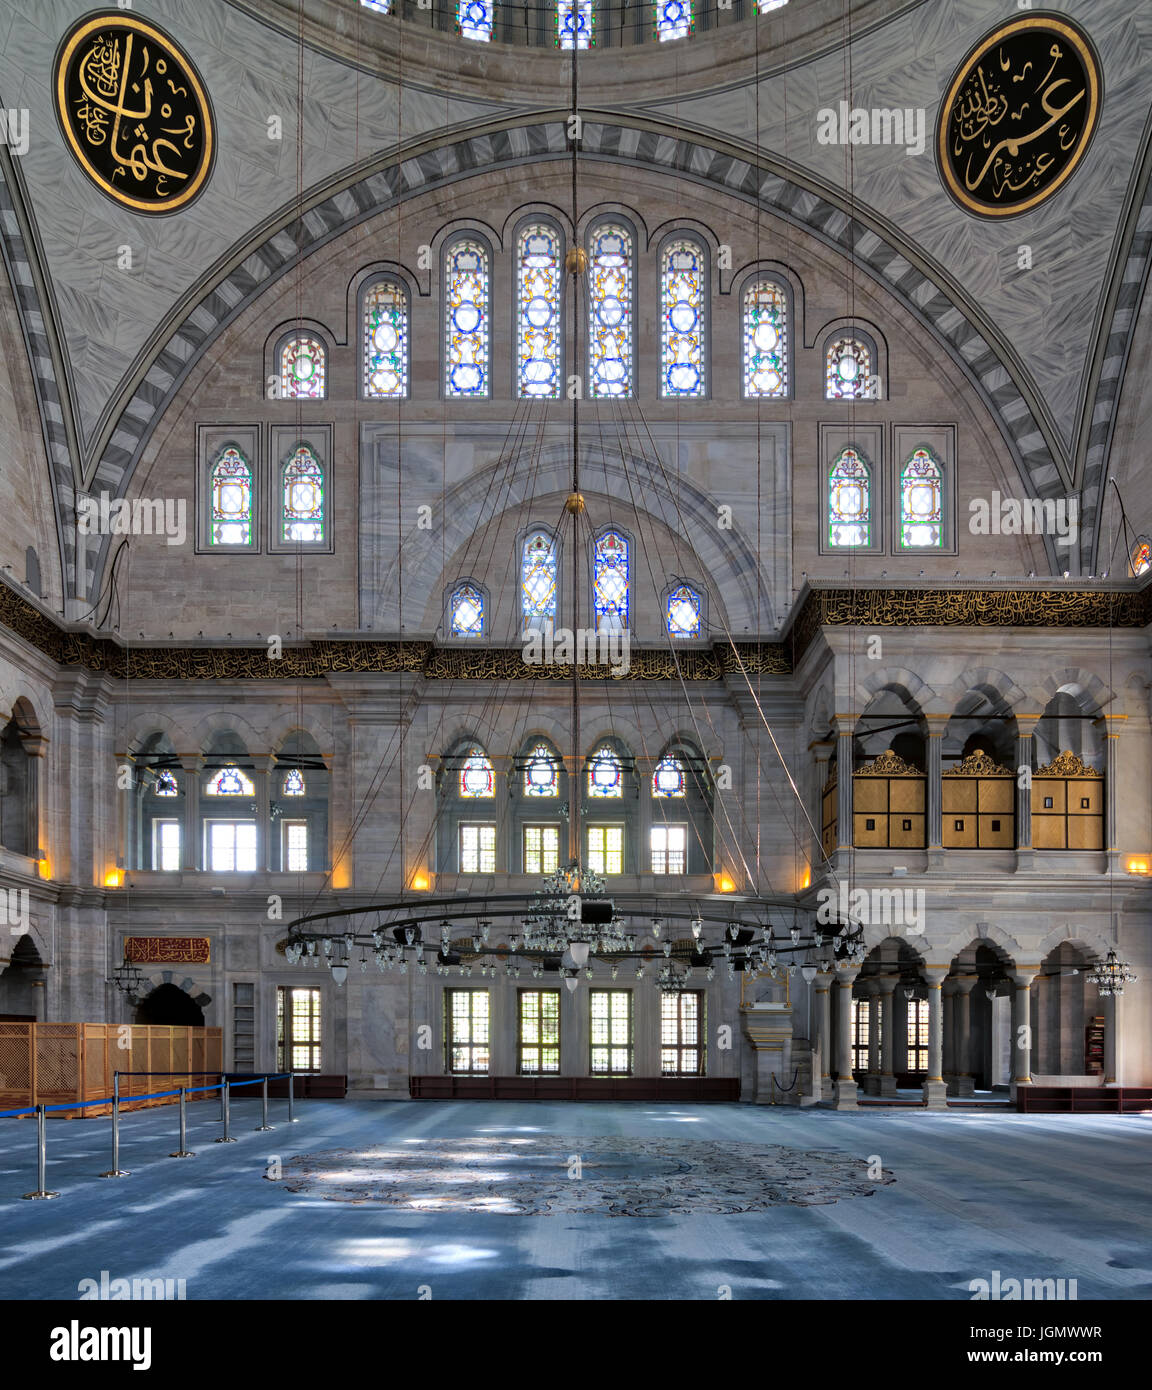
[(821, 756), (872, 1081), (1022, 1041), (935, 1092), (821, 1064), (1113, 1008), (887, 988), (1024, 758), (962, 1009), (846, 1089), (1112, 726), (263, 764), (934, 747), (844, 767), (948, 1029), (191, 850)]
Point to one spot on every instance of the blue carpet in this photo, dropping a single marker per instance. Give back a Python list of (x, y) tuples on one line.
[(1034, 1197)]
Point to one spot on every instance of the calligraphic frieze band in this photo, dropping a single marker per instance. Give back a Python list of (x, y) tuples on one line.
[(167, 950)]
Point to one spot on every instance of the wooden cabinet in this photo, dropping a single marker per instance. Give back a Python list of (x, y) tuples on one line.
[(1067, 805), (978, 801), (888, 805)]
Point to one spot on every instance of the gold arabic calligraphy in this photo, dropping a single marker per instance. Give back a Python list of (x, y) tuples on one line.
[(135, 114), (1018, 116)]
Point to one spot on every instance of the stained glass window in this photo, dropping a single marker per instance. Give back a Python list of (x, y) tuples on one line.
[(166, 785), (466, 1030), (541, 849), (230, 489), (302, 369), (386, 342), (467, 610), (681, 1036), (682, 319), (1141, 556), (541, 775), (474, 19), (606, 849), (673, 19), (610, 1015), (575, 23), (610, 312), (848, 370), (682, 611), (294, 782), (477, 849), (605, 774), (477, 780), (302, 493), (466, 291), (849, 501), (230, 781), (538, 573), (668, 779), (539, 268), (669, 844), (380, 6), (539, 1039), (767, 6), (921, 501), (610, 581), (765, 340)]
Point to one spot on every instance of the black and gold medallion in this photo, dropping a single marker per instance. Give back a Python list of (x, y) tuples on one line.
[(134, 112), (1019, 115)]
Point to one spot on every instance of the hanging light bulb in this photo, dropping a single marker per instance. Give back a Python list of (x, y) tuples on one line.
[(667, 948), (339, 973), (656, 925), (615, 971), (578, 950), (409, 935), (794, 933), (697, 927)]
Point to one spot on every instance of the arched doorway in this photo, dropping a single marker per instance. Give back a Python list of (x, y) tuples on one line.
[(169, 1004), (22, 984)]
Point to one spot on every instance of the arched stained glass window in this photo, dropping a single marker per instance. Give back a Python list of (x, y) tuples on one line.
[(849, 501), (610, 312), (539, 262), (230, 781), (302, 495), (467, 611), (466, 309), (765, 340), (610, 581), (166, 785), (541, 775), (921, 501), (767, 6), (386, 342), (668, 779), (302, 368), (230, 490), (294, 782), (605, 774), (673, 19), (538, 573), (477, 778), (682, 286), (682, 612), (1141, 555), (848, 371), (575, 23), (474, 19)]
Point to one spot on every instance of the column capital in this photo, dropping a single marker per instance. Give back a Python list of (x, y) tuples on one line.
[(965, 984), (1023, 975), (1026, 725), (937, 724), (886, 984), (936, 975), (821, 981), (191, 762)]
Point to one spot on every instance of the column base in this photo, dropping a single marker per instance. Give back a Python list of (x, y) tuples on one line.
[(844, 1095), (887, 1085), (961, 1086), (935, 1095), (937, 858), (871, 1084), (1025, 861)]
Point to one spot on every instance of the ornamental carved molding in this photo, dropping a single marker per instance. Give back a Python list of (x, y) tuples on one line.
[(979, 764), (888, 764), (1066, 764)]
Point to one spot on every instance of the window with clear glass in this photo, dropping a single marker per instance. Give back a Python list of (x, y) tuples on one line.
[(669, 849), (682, 1034), (466, 1031), (682, 612), (610, 1015), (295, 844), (860, 1011), (477, 849), (610, 312), (386, 342), (539, 268), (230, 493), (538, 1041), (541, 849), (917, 1034), (765, 341), (231, 846), (302, 368), (230, 781), (166, 839), (467, 314), (849, 501), (921, 502), (682, 289), (606, 849), (297, 1029)]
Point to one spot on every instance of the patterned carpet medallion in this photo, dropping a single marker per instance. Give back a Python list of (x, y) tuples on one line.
[(559, 1175)]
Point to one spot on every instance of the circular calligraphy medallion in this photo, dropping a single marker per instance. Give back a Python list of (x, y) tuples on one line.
[(134, 112), (1019, 115)]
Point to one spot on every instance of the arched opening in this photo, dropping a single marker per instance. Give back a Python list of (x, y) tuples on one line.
[(1064, 1006), (167, 1004), (22, 984), (19, 744), (298, 806), (977, 1002)]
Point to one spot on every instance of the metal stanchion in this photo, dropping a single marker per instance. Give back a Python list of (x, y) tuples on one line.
[(264, 1116), (40, 1194), (292, 1120), (183, 1151), (116, 1171), (225, 1113)]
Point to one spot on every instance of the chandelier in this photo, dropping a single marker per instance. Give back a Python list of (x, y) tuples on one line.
[(1111, 976), (127, 978)]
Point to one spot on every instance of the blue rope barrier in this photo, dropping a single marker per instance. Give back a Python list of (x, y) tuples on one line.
[(156, 1095)]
